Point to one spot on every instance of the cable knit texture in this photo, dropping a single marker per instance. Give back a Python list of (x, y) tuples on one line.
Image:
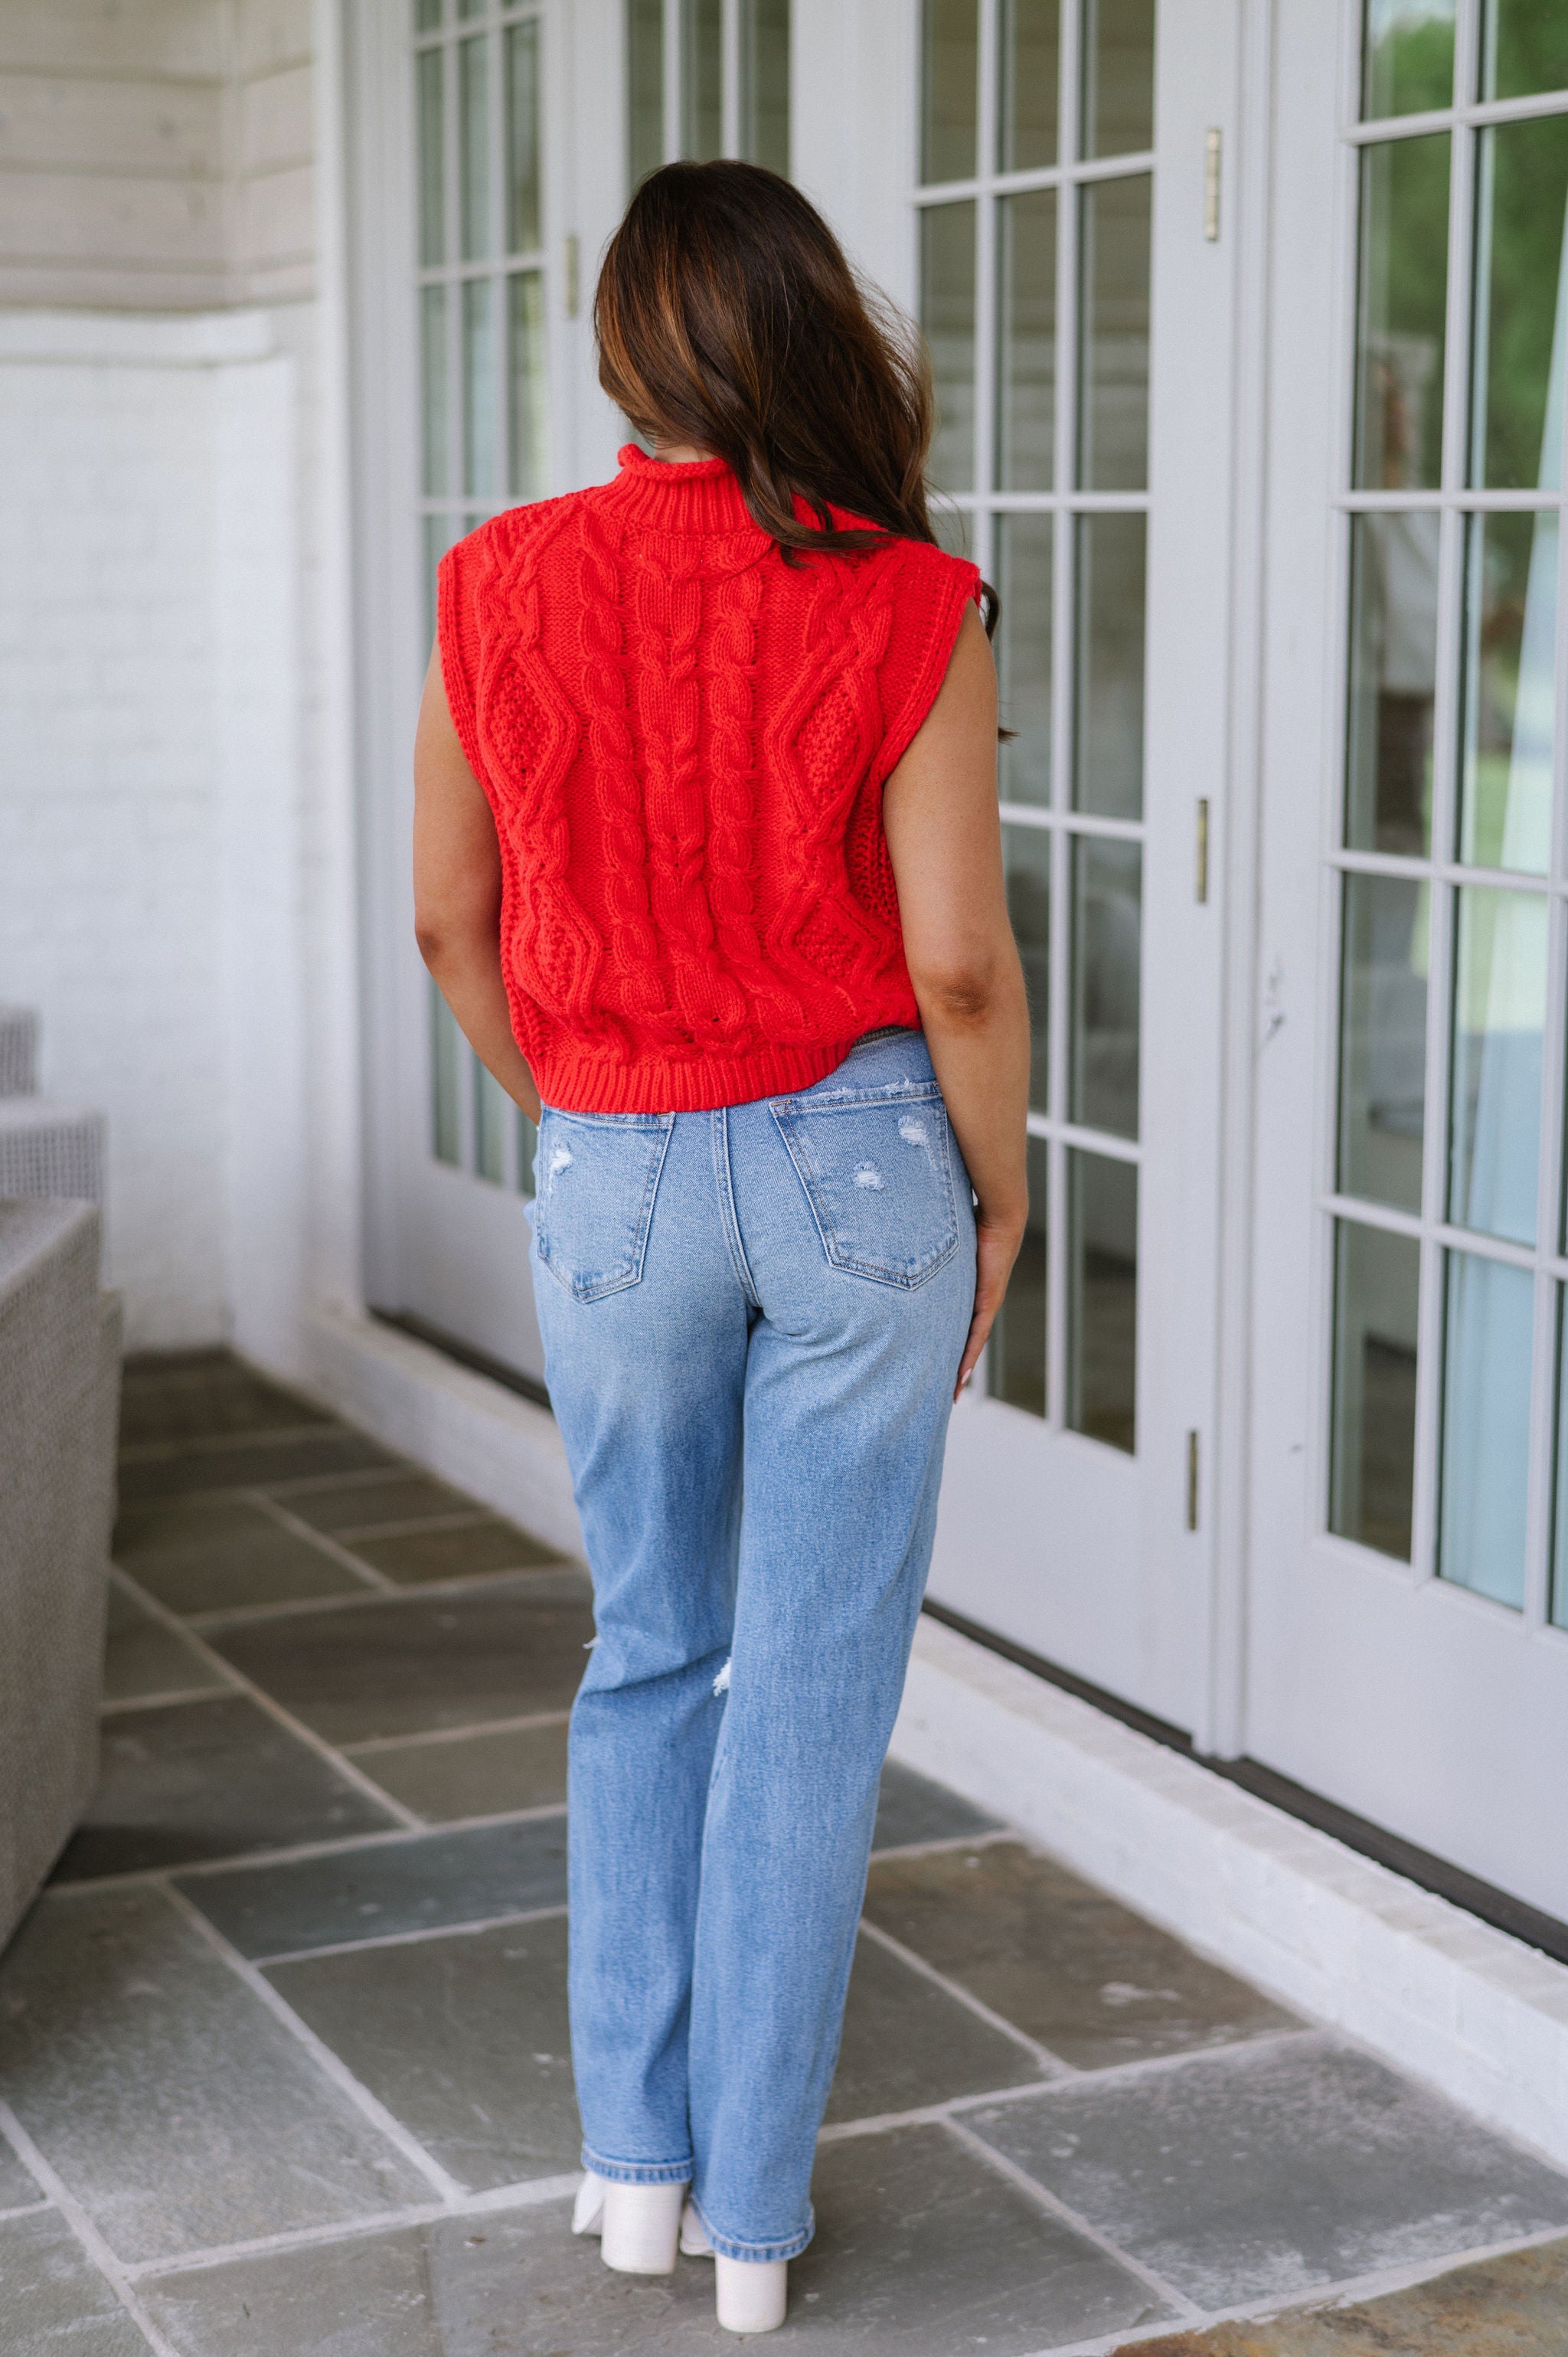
[(684, 740)]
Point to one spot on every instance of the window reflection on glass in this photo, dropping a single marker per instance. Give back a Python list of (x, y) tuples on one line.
[(1113, 346), (1401, 308), (479, 468), (702, 80), (1103, 1302), (432, 388), (1488, 1335), (1382, 1040), (432, 158), (645, 87), (474, 141), (522, 137), (1118, 76), (950, 70), (1027, 853), (1030, 34), (1524, 48), (527, 419), (1024, 655), (1027, 327), (1377, 1302), (1015, 1363), (1107, 877), (492, 1117), (1510, 648), (1108, 733), (764, 83), (445, 1122), (527, 1147), (1392, 681), (1407, 56), (1499, 1012), (947, 313), (1521, 306)]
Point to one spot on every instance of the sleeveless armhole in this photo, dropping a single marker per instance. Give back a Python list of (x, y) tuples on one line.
[(929, 595), (456, 635)]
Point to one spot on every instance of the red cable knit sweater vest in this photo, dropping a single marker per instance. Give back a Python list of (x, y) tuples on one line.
[(684, 741)]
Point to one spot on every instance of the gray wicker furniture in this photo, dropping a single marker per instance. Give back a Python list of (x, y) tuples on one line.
[(60, 1390)]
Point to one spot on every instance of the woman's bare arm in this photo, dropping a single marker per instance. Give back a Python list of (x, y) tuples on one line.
[(458, 894), (944, 832)]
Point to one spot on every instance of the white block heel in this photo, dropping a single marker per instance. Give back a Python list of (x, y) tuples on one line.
[(642, 2224), (750, 2295)]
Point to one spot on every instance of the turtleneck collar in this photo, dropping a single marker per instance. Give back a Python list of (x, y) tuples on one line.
[(692, 495)]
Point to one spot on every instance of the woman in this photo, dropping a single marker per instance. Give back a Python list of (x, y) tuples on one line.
[(708, 869)]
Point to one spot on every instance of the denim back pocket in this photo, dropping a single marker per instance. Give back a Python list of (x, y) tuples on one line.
[(877, 1165), (594, 1179)]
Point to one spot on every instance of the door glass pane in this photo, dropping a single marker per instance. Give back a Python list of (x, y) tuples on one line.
[(435, 469), (1524, 48), (1030, 37), (527, 1147), (645, 87), (426, 16), (432, 158), (1113, 359), (949, 74), (471, 7), (1118, 76), (1106, 919), (1499, 1010), (702, 80), (1028, 852), (1377, 1302), (1026, 330), (522, 138), (764, 83), (479, 470), (1024, 655), (1400, 313), (1382, 1040), (445, 1043), (1510, 642), (1407, 56), (473, 135), (492, 1117), (947, 313), (1103, 1306), (1392, 681), (1521, 306), (526, 420), (1108, 749), (1016, 1366), (1489, 1316)]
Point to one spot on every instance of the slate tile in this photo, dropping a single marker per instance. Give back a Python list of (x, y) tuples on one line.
[(912, 1808), (211, 1779), (1066, 1962), (247, 1465), (53, 2298), (908, 2043), (1254, 2173), (141, 1657), (408, 1664), (215, 1555), (465, 2039), (414, 1885), (468, 1551), (921, 2251), (475, 1775), (201, 1394), (404, 1496), (177, 2109), (1516, 2306)]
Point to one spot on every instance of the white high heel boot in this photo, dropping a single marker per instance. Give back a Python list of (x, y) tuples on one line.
[(641, 2225), (750, 2295)]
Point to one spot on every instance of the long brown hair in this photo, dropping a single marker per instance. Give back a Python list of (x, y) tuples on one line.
[(729, 318)]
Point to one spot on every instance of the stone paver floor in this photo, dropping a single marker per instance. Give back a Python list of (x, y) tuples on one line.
[(284, 2060)]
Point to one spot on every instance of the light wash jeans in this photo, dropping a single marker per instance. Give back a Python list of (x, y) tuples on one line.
[(752, 1322)]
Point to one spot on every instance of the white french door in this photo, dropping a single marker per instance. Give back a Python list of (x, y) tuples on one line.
[(1408, 1611), (1073, 281)]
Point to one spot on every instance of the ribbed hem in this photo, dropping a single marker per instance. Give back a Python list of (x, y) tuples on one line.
[(573, 1085), (637, 2172), (789, 2247)]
